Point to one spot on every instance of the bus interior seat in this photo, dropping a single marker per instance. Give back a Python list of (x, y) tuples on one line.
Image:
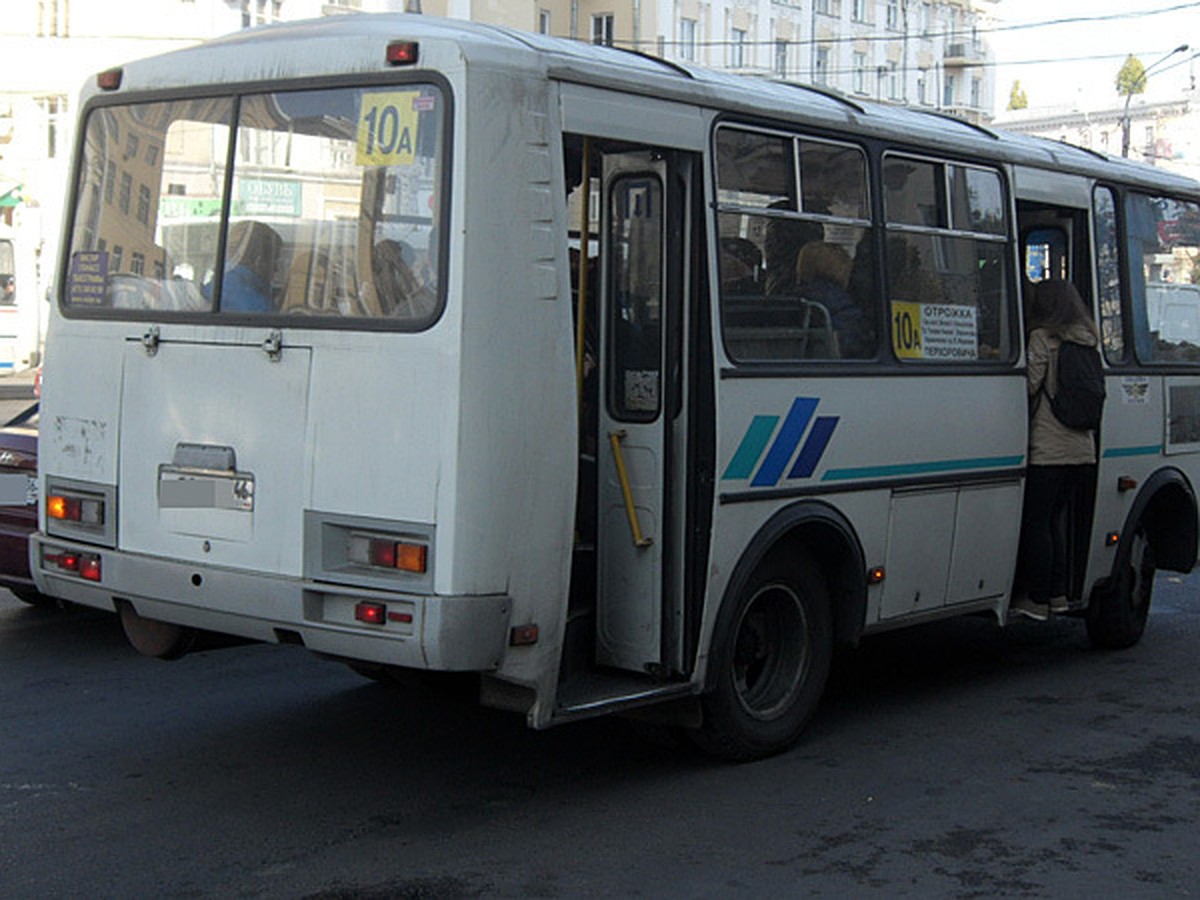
[(307, 285), (778, 329)]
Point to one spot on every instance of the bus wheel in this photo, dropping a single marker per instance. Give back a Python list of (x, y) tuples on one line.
[(1116, 617), (771, 659), (150, 637)]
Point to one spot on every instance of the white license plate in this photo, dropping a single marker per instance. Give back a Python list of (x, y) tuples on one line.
[(194, 490), (18, 489)]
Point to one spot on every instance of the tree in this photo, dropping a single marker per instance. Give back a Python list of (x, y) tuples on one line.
[(1132, 77), (1016, 97)]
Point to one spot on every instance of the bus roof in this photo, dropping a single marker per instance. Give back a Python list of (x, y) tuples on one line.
[(356, 44)]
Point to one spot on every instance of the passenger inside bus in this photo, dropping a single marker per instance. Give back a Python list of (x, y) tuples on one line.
[(823, 276), (251, 254), (781, 244)]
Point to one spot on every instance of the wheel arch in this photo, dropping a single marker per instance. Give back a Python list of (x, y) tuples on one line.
[(833, 545), (1166, 507)]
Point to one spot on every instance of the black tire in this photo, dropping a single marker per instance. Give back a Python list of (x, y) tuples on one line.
[(1116, 617), (772, 651), (150, 637)]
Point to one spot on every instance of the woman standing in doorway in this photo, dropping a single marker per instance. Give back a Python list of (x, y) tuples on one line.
[(1060, 458)]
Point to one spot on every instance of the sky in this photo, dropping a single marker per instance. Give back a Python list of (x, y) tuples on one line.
[(1071, 52)]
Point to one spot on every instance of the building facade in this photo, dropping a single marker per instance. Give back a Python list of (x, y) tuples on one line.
[(1163, 133), (925, 53)]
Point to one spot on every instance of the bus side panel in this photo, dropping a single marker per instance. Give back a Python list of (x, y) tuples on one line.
[(949, 446), (514, 481), (79, 440), (1149, 422)]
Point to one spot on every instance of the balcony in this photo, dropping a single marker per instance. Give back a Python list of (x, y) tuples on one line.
[(963, 53)]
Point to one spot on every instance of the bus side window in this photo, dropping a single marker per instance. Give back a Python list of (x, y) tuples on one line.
[(1165, 303), (947, 240)]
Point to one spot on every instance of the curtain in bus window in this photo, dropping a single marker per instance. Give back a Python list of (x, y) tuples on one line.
[(1164, 278), (946, 266), (795, 283), (1108, 274), (147, 207)]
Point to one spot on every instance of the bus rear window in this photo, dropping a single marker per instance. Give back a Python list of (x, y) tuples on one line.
[(323, 204)]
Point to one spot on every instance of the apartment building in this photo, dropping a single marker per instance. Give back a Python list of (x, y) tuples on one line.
[(925, 53)]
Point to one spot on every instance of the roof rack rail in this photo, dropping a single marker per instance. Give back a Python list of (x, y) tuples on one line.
[(673, 66), (949, 117), (824, 92)]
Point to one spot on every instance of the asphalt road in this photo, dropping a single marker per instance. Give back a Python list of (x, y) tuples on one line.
[(958, 760)]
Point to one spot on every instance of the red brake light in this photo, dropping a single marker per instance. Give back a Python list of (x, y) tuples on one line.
[(402, 53), (370, 613), (110, 79), (89, 567)]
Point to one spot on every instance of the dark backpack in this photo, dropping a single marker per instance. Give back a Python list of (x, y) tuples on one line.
[(1079, 400)]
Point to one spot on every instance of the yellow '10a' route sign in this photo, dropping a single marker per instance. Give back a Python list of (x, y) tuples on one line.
[(387, 129)]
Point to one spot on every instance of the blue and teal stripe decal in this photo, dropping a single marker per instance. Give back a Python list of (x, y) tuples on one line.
[(756, 445), (1123, 452), (770, 443)]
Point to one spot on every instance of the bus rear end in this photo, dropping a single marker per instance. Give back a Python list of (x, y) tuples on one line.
[(252, 423)]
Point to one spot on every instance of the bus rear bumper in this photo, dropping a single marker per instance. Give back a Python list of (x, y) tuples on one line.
[(435, 632)]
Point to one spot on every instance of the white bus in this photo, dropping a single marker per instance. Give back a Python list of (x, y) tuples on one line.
[(20, 325), (328, 369)]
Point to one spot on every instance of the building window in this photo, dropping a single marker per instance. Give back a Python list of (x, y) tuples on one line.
[(893, 79), (858, 11), (143, 208), (781, 55), (821, 64), (893, 14), (737, 48), (687, 39), (976, 93), (53, 108), (543, 21), (828, 7), (53, 18), (948, 91), (602, 29), (860, 73), (137, 263), (123, 196), (117, 253), (922, 83), (110, 181)]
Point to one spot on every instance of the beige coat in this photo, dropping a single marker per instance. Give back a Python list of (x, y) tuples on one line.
[(1052, 443)]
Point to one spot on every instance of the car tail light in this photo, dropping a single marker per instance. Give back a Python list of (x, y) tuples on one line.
[(388, 553), (81, 565), (79, 508)]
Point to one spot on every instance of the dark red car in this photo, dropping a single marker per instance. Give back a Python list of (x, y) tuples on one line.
[(18, 504)]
